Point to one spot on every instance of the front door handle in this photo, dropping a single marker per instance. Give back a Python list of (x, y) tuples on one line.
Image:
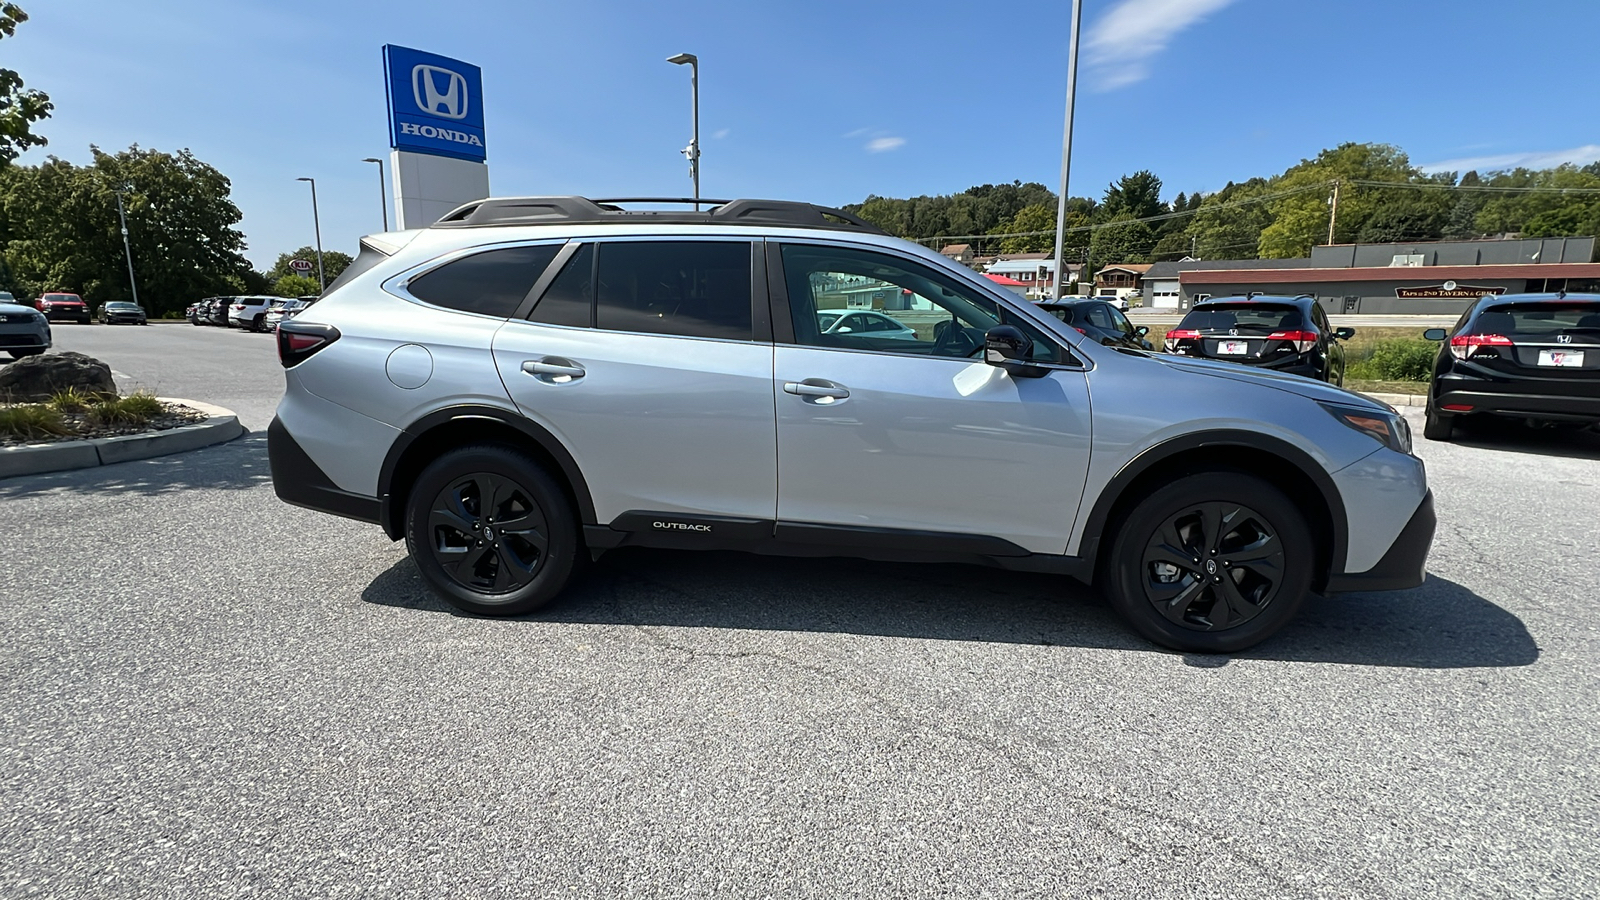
[(553, 370), (816, 387)]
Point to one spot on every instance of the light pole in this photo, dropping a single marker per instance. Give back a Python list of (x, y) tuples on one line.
[(1066, 141), (693, 150), (316, 221), (126, 251), (383, 191)]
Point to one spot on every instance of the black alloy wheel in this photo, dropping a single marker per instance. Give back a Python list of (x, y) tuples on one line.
[(486, 532), (491, 531), (1212, 566), (1213, 562)]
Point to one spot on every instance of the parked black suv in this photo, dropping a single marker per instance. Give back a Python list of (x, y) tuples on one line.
[(1525, 356), (1285, 334), (216, 311), (1101, 321)]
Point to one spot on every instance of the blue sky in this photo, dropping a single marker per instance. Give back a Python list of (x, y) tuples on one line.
[(823, 101)]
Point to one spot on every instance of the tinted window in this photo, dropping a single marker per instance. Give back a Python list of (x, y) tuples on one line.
[(686, 288), (1097, 316), (570, 298), (1538, 319), (1244, 317), (493, 283), (947, 318)]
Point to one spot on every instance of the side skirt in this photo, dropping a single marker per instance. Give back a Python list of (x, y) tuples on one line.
[(677, 531)]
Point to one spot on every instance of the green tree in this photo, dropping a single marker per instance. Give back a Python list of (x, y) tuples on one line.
[(1229, 223), (1540, 208), (60, 225), (19, 107), (1415, 216), (1127, 241), (296, 286), (1300, 222), (1137, 196), (333, 263)]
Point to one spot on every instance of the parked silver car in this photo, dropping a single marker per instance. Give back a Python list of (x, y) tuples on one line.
[(24, 331), (533, 381)]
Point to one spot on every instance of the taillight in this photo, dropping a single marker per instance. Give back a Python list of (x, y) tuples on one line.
[(299, 341), (1303, 340), (1463, 346), (1179, 334)]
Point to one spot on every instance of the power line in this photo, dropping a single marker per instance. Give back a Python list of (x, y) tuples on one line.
[(1425, 186)]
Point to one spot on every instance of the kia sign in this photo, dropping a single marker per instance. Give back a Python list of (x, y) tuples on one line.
[(300, 265), (435, 104)]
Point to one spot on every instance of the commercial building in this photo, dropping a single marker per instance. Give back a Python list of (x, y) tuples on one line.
[(1416, 278)]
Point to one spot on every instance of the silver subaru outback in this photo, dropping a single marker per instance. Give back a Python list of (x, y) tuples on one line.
[(530, 382)]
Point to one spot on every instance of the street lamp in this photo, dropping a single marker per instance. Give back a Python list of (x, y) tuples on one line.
[(125, 249), (383, 191), (1066, 141), (316, 221), (693, 150)]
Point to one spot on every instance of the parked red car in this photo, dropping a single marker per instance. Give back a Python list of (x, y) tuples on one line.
[(63, 306)]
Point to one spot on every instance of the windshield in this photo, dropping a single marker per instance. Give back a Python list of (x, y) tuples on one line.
[(826, 320), (120, 305), (1244, 317), (1534, 319)]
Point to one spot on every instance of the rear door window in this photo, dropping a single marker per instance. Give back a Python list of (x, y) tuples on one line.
[(492, 283), (570, 298), (697, 289)]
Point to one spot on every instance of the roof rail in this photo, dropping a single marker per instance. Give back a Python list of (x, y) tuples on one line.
[(583, 211)]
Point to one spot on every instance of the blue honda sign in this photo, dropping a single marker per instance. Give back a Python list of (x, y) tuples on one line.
[(435, 104)]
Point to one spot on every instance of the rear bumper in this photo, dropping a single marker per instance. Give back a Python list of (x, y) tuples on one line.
[(298, 480), (1539, 406), (1405, 565)]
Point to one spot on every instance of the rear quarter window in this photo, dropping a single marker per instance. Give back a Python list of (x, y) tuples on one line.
[(491, 283)]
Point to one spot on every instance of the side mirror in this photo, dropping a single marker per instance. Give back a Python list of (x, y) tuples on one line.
[(1344, 334), (1007, 347), (1434, 334), (845, 329), (1142, 330)]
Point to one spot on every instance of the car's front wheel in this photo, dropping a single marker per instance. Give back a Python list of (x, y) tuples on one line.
[(1212, 563), (491, 532)]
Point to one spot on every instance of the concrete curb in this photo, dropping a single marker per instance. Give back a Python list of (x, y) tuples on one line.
[(1402, 400), (36, 459)]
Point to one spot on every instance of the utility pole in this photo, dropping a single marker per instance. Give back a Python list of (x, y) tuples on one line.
[(1333, 214), (133, 285), (1066, 144)]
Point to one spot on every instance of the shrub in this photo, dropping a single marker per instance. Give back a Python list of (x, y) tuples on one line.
[(1396, 359), (32, 420)]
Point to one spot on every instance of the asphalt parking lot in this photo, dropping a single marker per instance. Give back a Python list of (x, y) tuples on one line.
[(210, 693)]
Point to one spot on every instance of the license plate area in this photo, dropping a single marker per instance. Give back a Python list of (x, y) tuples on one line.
[(1233, 348), (1561, 359)]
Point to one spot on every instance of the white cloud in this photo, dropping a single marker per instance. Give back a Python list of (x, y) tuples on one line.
[(1530, 159), (857, 133), (879, 145), (1121, 44), (720, 133)]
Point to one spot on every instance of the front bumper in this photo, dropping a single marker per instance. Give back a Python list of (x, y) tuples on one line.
[(55, 314), (1405, 565)]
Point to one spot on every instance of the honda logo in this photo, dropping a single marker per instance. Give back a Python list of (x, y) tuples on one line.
[(1564, 338), (450, 103)]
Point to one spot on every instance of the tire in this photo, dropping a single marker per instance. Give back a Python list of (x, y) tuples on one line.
[(255, 325), (452, 487), (1437, 426), (1267, 554)]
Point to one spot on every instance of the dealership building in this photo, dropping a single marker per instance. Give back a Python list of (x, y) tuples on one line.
[(1420, 278)]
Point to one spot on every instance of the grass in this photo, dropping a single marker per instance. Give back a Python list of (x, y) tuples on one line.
[(134, 409), (73, 400), (34, 420)]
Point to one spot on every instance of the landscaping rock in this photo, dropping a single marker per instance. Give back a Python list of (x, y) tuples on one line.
[(36, 378)]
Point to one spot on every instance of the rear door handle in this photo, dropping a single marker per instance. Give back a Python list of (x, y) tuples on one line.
[(553, 369), (816, 387)]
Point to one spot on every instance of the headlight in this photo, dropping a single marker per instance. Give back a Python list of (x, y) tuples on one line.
[(1387, 428)]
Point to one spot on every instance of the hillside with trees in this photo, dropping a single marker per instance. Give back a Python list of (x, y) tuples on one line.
[(1381, 197)]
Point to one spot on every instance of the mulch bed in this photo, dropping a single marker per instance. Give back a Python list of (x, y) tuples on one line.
[(173, 415)]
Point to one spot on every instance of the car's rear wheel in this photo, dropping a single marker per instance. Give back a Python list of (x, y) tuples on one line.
[(1437, 426), (491, 532), (1212, 563)]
